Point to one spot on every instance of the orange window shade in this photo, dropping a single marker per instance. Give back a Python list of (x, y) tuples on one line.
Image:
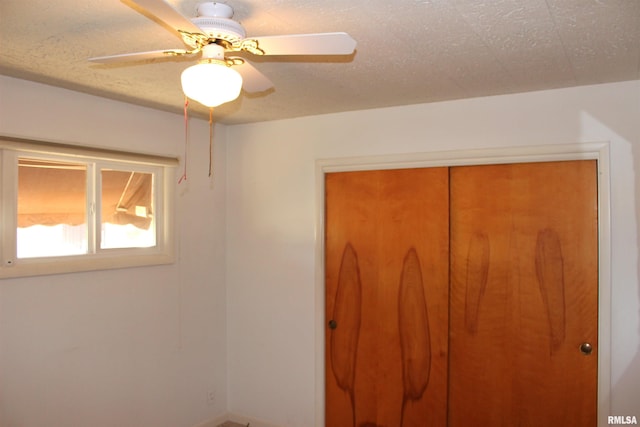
[(127, 198), (51, 193)]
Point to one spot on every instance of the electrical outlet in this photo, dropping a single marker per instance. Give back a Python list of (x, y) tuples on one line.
[(211, 397)]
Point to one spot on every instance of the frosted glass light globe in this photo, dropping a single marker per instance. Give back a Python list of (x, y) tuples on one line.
[(211, 83)]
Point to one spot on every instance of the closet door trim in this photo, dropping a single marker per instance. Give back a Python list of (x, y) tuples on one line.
[(598, 151)]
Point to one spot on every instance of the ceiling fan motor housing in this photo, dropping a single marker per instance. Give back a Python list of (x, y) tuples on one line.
[(215, 20)]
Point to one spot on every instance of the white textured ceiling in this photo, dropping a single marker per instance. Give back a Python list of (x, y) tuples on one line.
[(408, 51)]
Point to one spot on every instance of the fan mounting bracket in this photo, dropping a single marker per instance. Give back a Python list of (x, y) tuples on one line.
[(249, 45)]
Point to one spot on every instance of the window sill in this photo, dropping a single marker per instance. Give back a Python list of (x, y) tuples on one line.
[(71, 264)]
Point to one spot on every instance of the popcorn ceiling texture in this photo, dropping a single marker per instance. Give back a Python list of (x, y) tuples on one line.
[(408, 51)]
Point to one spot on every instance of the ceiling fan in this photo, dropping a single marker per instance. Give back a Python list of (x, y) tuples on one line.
[(218, 78)]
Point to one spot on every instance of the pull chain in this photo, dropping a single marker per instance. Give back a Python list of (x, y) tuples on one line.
[(210, 141), (186, 139)]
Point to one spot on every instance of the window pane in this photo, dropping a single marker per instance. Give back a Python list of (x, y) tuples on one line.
[(51, 208), (127, 210)]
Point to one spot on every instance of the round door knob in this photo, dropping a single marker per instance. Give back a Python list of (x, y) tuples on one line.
[(586, 348), (333, 324)]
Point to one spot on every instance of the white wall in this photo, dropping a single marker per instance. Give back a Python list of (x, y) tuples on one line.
[(143, 346), (272, 237), (132, 347)]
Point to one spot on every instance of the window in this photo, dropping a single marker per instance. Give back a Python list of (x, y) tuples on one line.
[(72, 209)]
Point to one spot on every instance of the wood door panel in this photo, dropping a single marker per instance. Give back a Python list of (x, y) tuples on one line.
[(392, 222), (523, 294), (461, 296)]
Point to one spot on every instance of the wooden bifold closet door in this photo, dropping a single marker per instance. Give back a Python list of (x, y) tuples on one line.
[(462, 296)]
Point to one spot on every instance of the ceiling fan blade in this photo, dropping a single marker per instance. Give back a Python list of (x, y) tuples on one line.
[(306, 44), (252, 79), (167, 14), (139, 56)]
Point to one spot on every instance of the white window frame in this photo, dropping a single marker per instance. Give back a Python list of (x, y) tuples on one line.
[(163, 169)]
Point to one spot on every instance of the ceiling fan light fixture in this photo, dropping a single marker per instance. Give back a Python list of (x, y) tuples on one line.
[(211, 83)]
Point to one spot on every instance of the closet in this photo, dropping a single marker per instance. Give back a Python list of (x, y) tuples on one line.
[(460, 296)]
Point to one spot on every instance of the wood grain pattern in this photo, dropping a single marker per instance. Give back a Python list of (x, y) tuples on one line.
[(477, 286), (393, 220), (346, 314), (413, 325), (514, 358), (476, 280), (550, 274)]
